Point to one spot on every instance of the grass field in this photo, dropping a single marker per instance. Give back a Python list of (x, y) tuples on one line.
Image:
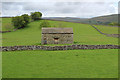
[(31, 35), (7, 24), (61, 64), (108, 29)]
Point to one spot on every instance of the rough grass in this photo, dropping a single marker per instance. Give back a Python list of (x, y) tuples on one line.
[(61, 64), (108, 29), (7, 24), (31, 35)]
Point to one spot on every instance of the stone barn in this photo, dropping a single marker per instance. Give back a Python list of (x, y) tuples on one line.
[(57, 35)]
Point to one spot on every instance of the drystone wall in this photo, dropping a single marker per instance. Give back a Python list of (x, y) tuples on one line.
[(109, 35), (62, 38), (52, 48)]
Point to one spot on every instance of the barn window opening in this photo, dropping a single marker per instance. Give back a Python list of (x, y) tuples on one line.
[(56, 40)]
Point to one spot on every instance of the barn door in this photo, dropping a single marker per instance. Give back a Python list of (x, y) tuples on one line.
[(56, 40), (45, 41)]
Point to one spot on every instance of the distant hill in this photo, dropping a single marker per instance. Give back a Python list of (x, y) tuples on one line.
[(96, 20), (104, 19), (69, 19)]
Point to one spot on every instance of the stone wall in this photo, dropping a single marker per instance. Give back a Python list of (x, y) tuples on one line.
[(109, 35), (52, 48), (62, 38)]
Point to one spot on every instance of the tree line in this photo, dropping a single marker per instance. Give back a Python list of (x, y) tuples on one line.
[(23, 20)]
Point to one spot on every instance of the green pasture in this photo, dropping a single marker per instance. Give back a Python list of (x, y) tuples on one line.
[(60, 64), (7, 24), (108, 29), (31, 35)]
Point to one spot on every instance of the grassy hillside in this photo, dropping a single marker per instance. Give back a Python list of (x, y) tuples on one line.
[(105, 19), (7, 24), (108, 29), (31, 35), (61, 64)]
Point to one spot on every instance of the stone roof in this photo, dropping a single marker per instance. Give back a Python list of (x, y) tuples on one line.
[(57, 30)]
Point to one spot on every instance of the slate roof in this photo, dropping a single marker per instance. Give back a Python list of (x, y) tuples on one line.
[(57, 30)]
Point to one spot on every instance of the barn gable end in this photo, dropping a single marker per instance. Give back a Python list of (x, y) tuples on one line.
[(57, 36)]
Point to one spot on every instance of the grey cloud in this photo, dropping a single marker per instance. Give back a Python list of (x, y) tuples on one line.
[(35, 6), (51, 9), (86, 8), (11, 8), (119, 7)]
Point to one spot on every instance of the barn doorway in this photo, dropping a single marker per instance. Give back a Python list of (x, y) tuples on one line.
[(56, 40), (45, 40)]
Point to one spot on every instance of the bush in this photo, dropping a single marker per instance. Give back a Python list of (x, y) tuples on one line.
[(18, 21), (59, 25), (26, 18), (36, 15), (22, 21), (8, 27), (45, 24), (114, 24)]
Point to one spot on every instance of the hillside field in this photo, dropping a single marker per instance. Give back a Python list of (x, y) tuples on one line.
[(108, 29), (7, 24), (99, 63), (31, 35)]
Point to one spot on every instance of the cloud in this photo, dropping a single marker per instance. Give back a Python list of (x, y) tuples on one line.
[(60, 9), (119, 7), (59, 0)]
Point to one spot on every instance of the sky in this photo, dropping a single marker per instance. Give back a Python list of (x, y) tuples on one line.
[(80, 8)]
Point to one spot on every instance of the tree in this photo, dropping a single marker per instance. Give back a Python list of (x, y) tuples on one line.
[(45, 24), (118, 24), (114, 24), (26, 18), (18, 21), (36, 15)]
